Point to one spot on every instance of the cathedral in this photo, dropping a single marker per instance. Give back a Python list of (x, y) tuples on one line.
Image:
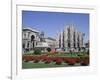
[(70, 38)]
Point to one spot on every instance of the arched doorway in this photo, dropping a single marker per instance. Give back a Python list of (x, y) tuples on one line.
[(32, 40)]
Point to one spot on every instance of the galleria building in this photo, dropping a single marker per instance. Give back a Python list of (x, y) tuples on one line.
[(69, 39)]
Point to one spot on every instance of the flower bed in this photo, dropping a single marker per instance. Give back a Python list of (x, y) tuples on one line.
[(48, 60), (43, 58), (78, 60), (85, 61), (27, 58), (58, 60), (70, 61), (36, 59)]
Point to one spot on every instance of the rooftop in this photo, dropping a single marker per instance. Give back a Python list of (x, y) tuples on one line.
[(30, 29)]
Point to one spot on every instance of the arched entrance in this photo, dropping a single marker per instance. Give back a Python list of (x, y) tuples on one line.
[(33, 40)]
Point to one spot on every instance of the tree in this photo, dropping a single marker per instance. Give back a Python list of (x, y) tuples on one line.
[(37, 52), (48, 49)]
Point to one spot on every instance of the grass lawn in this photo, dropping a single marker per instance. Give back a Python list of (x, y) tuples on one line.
[(27, 65)]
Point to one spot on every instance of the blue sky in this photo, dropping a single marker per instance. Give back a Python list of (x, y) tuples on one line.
[(53, 22)]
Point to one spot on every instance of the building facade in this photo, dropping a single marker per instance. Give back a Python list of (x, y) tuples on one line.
[(30, 38), (69, 38), (51, 42)]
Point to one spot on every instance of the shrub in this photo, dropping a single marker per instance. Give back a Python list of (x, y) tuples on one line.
[(27, 58), (37, 52), (48, 60), (58, 60), (54, 59), (48, 49), (66, 60), (23, 58), (36, 59), (85, 62), (88, 52), (53, 52), (43, 58), (70, 61), (77, 60)]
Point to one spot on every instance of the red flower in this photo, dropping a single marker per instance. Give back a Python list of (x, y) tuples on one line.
[(54, 59), (36, 59), (70, 61), (66, 60), (58, 60), (48, 60), (43, 58), (23, 58), (78, 60), (27, 58)]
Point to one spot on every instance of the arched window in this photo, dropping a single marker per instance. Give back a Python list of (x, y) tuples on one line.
[(32, 38)]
